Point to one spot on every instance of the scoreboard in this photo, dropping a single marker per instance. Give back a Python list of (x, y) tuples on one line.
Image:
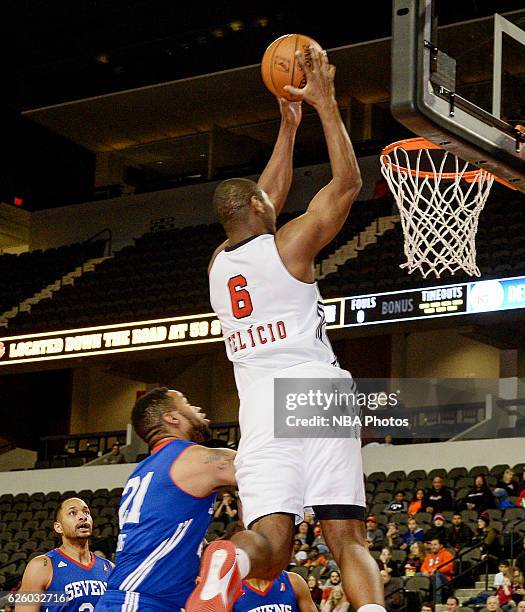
[(371, 309)]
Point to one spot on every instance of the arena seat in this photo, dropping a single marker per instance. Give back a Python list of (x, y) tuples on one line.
[(416, 475), (397, 475), (458, 472)]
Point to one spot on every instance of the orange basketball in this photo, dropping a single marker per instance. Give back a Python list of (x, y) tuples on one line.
[(279, 66)]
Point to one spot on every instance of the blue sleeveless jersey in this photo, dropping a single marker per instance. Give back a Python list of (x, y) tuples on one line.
[(82, 584), (161, 533), (279, 596)]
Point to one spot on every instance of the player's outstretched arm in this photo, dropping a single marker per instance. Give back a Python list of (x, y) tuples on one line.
[(200, 471), (37, 577), (305, 602), (276, 178), (301, 239)]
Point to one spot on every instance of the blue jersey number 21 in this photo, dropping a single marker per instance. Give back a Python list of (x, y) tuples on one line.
[(137, 488)]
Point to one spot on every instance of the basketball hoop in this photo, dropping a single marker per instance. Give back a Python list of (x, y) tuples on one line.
[(439, 200)]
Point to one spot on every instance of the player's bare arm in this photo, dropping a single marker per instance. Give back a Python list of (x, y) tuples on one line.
[(37, 578), (301, 239), (200, 471), (276, 178), (302, 593)]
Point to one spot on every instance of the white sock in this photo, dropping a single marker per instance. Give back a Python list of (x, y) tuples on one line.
[(371, 608), (243, 561)]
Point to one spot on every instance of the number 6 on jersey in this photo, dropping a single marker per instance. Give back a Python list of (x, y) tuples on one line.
[(241, 302)]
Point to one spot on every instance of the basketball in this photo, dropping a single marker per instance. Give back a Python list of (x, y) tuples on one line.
[(279, 66)]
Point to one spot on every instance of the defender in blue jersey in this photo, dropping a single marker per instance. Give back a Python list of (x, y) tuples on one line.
[(73, 577), (287, 593), (166, 506)]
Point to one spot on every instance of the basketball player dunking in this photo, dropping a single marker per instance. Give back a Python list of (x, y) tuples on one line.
[(263, 289), (166, 506), (73, 577)]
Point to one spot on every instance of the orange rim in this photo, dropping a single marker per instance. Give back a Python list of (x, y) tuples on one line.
[(420, 143)]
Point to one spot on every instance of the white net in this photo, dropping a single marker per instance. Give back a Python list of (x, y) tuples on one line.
[(439, 209)]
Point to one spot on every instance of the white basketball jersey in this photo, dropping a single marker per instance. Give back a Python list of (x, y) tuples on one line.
[(270, 320)]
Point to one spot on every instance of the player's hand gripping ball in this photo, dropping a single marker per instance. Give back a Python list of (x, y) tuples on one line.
[(279, 66)]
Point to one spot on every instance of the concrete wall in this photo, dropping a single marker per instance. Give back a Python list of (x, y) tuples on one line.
[(447, 354), (16, 459), (418, 456), (101, 401)]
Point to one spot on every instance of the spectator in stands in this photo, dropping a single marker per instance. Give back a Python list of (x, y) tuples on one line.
[(304, 533), (393, 535), (315, 591), (116, 456), (504, 594), (315, 558), (521, 488), (438, 498), (521, 606), (413, 534), (333, 580), (91, 451), (520, 559), (487, 537), (427, 606), (509, 484), (318, 535), (438, 529), (416, 505), (393, 596), (301, 557), (480, 497), (387, 441), (398, 504), (297, 545), (503, 572), (501, 497), (492, 604), (386, 562), (374, 534), (336, 602), (518, 584), (226, 510), (416, 556), (459, 534), (452, 604), (439, 566)]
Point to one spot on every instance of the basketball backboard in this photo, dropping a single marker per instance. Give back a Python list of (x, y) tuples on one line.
[(462, 86)]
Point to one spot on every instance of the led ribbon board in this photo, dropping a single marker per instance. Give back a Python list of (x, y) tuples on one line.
[(373, 309)]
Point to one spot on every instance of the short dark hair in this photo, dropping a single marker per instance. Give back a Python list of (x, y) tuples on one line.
[(58, 509), (232, 197), (454, 598), (146, 416), (398, 492), (427, 604)]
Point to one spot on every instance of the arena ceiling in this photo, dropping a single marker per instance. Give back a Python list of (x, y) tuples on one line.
[(128, 76), (146, 124)]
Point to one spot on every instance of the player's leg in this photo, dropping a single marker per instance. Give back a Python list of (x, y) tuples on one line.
[(346, 539), (270, 478), (267, 544), (335, 491)]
